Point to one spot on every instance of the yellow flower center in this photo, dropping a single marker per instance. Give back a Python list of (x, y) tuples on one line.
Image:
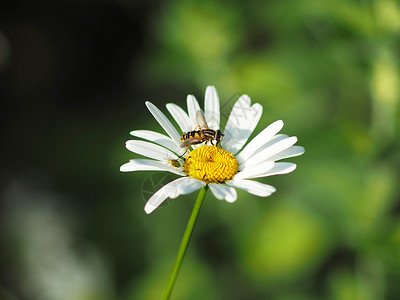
[(211, 164)]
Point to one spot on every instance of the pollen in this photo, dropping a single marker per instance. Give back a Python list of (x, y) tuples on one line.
[(211, 164)]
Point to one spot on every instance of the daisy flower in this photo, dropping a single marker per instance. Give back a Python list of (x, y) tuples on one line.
[(222, 169)]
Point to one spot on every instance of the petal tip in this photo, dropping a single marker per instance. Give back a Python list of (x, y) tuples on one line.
[(257, 107), (148, 209), (129, 143), (231, 200), (150, 106), (246, 98)]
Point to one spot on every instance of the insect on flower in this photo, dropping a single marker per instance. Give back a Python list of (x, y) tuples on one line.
[(209, 166), (223, 170), (204, 134), (174, 163)]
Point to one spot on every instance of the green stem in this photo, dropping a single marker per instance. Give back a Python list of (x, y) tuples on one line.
[(184, 243)]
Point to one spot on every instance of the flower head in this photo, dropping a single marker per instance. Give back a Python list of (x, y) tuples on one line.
[(221, 168), (211, 165)]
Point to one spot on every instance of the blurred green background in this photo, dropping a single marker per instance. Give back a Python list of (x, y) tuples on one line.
[(73, 80)]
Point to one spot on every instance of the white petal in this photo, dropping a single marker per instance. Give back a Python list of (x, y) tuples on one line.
[(172, 190), (263, 137), (253, 187), (290, 152), (241, 123), (157, 138), (268, 152), (280, 168), (274, 140), (150, 150), (180, 117), (211, 107), (192, 106), (164, 122), (148, 165), (223, 192), (255, 171)]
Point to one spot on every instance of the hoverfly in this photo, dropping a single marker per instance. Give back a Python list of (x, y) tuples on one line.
[(204, 134)]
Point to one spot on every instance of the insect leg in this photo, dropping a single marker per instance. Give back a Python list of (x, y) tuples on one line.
[(194, 143), (184, 152)]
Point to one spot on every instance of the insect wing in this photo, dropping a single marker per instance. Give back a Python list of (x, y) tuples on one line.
[(201, 120), (190, 141)]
